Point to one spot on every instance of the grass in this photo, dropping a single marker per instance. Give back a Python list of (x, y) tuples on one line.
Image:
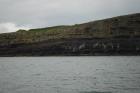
[(98, 29)]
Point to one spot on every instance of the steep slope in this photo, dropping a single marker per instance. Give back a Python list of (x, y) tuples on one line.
[(114, 36)]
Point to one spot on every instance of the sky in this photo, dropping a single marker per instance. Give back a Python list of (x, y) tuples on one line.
[(27, 14)]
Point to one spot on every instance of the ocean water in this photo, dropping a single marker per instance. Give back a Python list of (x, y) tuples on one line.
[(70, 74)]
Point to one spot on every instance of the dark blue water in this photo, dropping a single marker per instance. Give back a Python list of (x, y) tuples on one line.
[(70, 75)]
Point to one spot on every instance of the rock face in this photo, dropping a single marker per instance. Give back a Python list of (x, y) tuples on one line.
[(114, 36)]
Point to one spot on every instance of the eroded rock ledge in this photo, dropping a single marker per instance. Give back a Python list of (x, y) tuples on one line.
[(114, 36)]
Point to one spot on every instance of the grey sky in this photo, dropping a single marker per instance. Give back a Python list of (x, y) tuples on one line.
[(43, 13)]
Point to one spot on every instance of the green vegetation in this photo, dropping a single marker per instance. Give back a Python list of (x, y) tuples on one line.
[(114, 36), (114, 27)]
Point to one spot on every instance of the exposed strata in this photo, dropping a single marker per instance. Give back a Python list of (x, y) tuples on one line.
[(114, 36)]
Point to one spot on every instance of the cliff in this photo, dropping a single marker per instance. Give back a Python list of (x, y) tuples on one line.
[(114, 36)]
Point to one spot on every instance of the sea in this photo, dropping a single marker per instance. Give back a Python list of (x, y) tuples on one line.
[(82, 74)]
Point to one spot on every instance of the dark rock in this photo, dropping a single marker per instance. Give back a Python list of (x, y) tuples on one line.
[(114, 36)]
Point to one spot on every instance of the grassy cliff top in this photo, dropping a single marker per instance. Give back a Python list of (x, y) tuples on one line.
[(128, 25)]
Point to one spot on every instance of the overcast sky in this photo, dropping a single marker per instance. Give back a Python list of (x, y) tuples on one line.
[(25, 14)]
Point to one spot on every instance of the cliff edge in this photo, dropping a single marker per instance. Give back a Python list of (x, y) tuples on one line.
[(114, 36)]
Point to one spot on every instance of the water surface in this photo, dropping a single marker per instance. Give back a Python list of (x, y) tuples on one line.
[(70, 75)]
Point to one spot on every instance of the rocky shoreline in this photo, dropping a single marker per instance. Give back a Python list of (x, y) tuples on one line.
[(115, 36), (75, 47)]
